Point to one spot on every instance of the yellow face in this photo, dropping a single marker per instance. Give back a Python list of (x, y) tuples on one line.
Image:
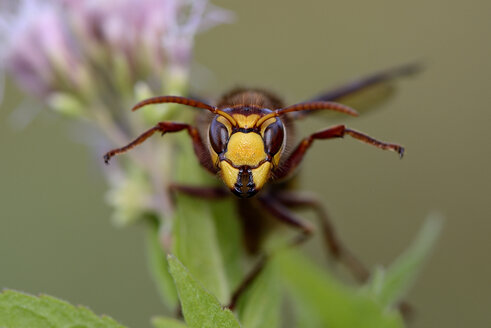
[(242, 153), (245, 167)]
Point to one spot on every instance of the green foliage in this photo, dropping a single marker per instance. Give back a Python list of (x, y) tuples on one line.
[(260, 305), (200, 308), (319, 300), (228, 232), (19, 310), (163, 322), (158, 266), (326, 302)]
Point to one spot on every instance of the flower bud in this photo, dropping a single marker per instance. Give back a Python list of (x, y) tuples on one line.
[(66, 104), (130, 194)]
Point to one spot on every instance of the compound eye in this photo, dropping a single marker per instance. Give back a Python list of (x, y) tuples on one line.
[(218, 136), (273, 137)]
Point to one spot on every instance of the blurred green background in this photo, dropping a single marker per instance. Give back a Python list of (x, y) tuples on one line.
[(55, 232)]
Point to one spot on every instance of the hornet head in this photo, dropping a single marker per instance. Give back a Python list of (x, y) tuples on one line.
[(245, 146)]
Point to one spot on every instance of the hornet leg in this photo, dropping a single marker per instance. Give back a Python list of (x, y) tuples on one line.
[(165, 127), (338, 131)]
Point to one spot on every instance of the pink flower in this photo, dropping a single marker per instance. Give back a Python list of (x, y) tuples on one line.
[(70, 45), (34, 47)]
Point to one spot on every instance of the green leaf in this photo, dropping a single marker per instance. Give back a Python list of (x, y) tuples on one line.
[(18, 310), (200, 308), (229, 234), (327, 301), (195, 239), (259, 307), (388, 287), (159, 269), (306, 317), (164, 322)]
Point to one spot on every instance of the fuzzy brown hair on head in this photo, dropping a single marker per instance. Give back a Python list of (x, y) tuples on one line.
[(245, 97)]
